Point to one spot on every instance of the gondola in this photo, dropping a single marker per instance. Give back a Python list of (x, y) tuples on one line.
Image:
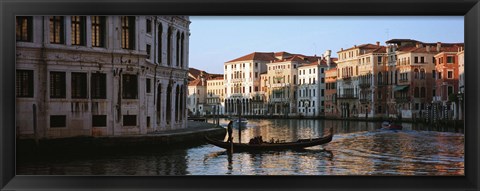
[(264, 146)]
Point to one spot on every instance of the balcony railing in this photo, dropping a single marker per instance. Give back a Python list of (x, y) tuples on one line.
[(402, 99), (364, 100), (364, 85), (403, 80), (347, 96)]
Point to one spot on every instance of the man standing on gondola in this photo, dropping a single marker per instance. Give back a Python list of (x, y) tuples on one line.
[(230, 131)]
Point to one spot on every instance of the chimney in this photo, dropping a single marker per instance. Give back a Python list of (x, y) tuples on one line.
[(328, 53), (419, 45), (439, 45), (341, 49), (378, 43)]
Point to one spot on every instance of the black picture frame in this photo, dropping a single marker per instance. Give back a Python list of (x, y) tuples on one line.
[(470, 9)]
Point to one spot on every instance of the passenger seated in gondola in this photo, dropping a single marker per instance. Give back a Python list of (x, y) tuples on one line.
[(256, 140)]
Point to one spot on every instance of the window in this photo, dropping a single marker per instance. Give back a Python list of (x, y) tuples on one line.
[(439, 75), (434, 74), (24, 83), (149, 26), (450, 90), (450, 60), (379, 59), (149, 47), (79, 85), (57, 85), (148, 85), (422, 59), (148, 122), (98, 86), (128, 32), (422, 92), (57, 121), (98, 31), (450, 74), (422, 74), (416, 92), (323, 80), (99, 120), (57, 30), (129, 120), (129, 86), (78, 30), (24, 29), (416, 59)]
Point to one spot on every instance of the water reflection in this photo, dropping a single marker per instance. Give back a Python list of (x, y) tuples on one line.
[(358, 148)]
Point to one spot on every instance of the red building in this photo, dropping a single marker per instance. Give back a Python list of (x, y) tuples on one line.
[(446, 81), (331, 93)]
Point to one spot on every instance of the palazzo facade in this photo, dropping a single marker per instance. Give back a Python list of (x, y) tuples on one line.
[(100, 75)]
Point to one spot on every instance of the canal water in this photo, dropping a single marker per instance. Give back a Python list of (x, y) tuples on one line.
[(357, 148)]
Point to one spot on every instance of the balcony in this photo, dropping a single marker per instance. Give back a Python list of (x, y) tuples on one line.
[(347, 96), (364, 85), (403, 80), (402, 99), (365, 100)]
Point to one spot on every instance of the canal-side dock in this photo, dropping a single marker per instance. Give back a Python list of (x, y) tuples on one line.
[(192, 135)]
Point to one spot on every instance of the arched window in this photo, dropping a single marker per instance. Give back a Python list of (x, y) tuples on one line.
[(182, 56), (160, 42), (415, 73), (169, 46), (169, 103), (415, 94), (379, 78), (178, 49), (396, 76), (422, 73), (159, 103), (386, 78)]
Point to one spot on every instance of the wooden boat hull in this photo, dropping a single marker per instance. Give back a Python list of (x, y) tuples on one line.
[(272, 146)]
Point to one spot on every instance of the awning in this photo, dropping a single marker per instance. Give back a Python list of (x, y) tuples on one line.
[(400, 88)]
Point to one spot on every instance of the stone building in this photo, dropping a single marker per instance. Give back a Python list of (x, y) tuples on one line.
[(197, 96), (353, 86), (100, 75), (215, 95), (311, 86), (282, 77), (461, 83), (446, 83), (242, 82), (331, 109), (413, 76)]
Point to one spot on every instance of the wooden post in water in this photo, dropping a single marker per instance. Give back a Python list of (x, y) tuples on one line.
[(239, 110)]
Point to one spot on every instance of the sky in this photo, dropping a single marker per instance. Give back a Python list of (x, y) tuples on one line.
[(215, 40)]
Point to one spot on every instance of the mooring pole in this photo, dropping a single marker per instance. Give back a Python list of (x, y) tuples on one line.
[(239, 121)]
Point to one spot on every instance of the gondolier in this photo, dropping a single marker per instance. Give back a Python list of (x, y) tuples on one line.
[(259, 146), (230, 131)]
